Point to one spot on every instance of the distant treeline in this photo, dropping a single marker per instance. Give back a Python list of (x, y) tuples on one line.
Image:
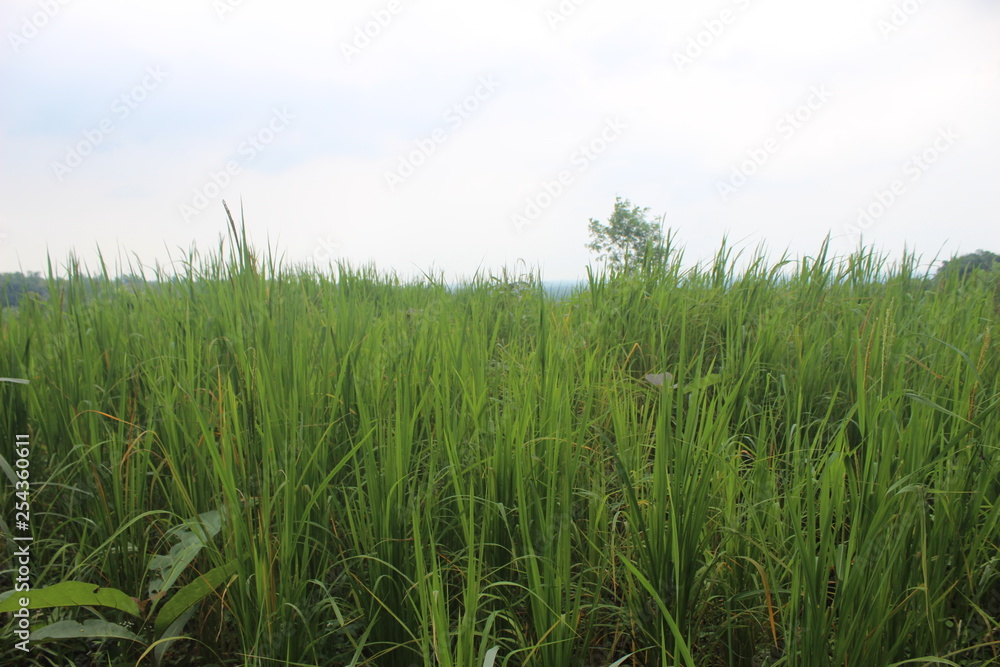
[(14, 287), (966, 264), (17, 286)]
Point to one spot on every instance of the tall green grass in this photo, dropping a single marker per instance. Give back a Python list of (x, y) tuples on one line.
[(416, 474)]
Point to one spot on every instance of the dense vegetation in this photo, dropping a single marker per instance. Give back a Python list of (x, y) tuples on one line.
[(17, 286), (792, 464), (964, 266)]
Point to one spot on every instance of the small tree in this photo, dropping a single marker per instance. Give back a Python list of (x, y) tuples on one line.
[(628, 239)]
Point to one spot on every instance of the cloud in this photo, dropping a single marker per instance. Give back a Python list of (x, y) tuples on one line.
[(231, 64)]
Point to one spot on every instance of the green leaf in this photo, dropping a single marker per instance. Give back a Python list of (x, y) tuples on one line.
[(170, 635), (192, 594), (72, 594), (171, 565), (701, 383), (491, 656), (90, 629), (682, 646), (8, 471)]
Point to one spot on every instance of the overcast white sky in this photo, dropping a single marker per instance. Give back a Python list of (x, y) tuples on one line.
[(124, 124)]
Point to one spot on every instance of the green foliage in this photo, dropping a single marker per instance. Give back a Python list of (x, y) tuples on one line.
[(18, 286), (190, 541), (168, 622), (963, 266), (672, 467), (628, 239), (190, 595), (71, 594), (91, 628)]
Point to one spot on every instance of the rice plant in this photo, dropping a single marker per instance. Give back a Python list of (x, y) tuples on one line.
[(788, 463)]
